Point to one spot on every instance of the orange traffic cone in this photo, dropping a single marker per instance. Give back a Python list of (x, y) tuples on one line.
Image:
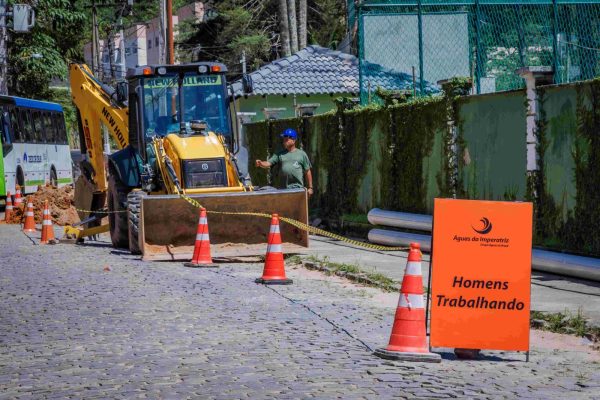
[(29, 225), (202, 258), (18, 199), (47, 229), (274, 272), (8, 210), (408, 341)]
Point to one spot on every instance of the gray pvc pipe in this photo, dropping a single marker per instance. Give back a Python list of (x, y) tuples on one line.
[(397, 219), (541, 260)]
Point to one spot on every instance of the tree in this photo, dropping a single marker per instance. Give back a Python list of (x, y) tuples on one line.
[(302, 23), (293, 25), (37, 57), (284, 27)]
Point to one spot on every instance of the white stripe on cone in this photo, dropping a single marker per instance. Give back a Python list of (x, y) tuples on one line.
[(47, 222), (274, 229), (202, 236), (46, 212), (274, 248), (413, 268), (29, 214), (203, 221), (415, 300)]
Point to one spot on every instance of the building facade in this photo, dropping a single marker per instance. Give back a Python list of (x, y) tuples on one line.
[(144, 44)]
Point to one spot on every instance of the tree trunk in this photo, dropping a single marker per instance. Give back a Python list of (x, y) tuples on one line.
[(302, 23), (293, 25), (284, 27)]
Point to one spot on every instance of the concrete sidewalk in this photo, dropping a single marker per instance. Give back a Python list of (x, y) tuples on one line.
[(552, 293)]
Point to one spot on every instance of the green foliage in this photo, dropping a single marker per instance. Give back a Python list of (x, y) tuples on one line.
[(55, 36), (580, 230)]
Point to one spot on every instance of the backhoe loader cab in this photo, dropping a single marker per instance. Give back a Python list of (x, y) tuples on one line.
[(173, 99)]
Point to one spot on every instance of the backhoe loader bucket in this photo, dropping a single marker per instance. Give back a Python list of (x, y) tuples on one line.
[(168, 223)]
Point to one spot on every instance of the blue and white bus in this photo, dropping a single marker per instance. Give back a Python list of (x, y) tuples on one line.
[(34, 149)]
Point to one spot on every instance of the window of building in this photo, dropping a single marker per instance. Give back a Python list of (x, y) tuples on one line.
[(156, 41), (149, 43)]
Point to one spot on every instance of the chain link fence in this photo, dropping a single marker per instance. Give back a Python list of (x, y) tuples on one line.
[(487, 40)]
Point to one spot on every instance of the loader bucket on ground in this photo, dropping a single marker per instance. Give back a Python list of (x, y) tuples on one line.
[(168, 223)]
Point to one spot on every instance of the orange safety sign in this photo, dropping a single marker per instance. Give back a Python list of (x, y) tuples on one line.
[(481, 274)]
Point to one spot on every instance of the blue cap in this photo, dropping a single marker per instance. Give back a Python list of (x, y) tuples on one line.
[(289, 132)]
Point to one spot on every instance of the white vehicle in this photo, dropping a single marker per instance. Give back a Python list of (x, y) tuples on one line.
[(34, 150)]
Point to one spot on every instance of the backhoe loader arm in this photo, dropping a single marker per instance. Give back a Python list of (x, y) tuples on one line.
[(96, 105)]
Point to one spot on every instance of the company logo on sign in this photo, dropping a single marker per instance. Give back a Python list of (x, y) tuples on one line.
[(487, 226), (204, 167)]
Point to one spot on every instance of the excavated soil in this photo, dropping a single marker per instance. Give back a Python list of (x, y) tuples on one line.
[(60, 203)]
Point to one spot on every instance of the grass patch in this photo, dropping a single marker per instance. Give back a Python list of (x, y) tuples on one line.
[(354, 273), (565, 323)]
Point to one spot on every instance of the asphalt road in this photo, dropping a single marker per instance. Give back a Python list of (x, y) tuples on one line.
[(68, 328)]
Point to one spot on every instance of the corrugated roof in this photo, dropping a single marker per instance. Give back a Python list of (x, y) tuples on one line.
[(319, 70)]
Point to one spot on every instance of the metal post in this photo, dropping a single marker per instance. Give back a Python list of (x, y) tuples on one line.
[(243, 61), (361, 53), (162, 40), (170, 45), (555, 40), (96, 43), (421, 72), (122, 48), (478, 49), (3, 50)]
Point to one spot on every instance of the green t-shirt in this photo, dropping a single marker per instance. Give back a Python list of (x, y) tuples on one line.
[(293, 166)]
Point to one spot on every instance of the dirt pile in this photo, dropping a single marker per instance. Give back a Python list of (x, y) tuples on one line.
[(60, 203)]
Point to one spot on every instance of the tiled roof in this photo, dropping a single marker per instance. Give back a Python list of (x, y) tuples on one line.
[(319, 70)]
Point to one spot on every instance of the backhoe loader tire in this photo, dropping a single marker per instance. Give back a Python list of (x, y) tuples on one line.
[(117, 201), (134, 207)]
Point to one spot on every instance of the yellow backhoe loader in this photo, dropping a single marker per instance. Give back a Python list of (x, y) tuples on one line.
[(174, 130)]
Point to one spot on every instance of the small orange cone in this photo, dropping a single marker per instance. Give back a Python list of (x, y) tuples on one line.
[(274, 271), (408, 341), (18, 199), (106, 268), (29, 225), (202, 258), (47, 229), (8, 210)]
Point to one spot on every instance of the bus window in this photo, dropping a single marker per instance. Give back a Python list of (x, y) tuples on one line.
[(61, 136), (16, 127), (49, 128), (5, 132), (29, 137), (38, 128)]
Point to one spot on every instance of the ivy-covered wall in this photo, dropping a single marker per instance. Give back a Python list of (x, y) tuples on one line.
[(370, 157), (494, 149), (568, 208), (400, 156)]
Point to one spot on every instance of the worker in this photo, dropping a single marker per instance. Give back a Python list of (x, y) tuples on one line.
[(295, 164)]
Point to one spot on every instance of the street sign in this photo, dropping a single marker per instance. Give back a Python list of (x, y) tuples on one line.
[(481, 273)]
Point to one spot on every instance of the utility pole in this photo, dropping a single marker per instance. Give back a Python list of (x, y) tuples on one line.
[(96, 43), (163, 27), (3, 49), (170, 44)]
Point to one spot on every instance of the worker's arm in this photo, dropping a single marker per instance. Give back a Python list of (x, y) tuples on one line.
[(308, 175), (263, 164)]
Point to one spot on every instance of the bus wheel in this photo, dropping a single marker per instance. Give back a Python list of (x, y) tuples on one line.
[(53, 178), (21, 179)]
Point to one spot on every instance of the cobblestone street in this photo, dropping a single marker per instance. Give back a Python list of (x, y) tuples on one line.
[(69, 329)]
